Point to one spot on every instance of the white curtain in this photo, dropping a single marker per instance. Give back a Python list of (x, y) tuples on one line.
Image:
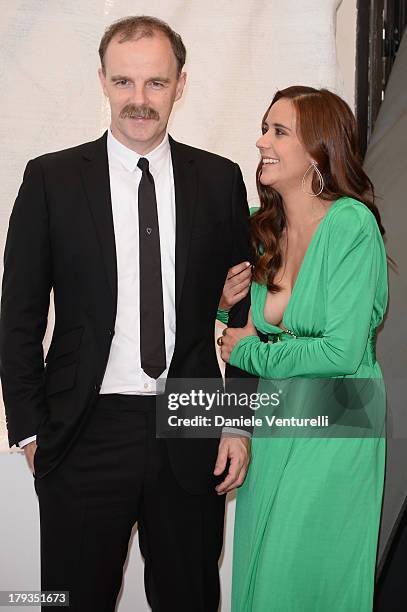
[(239, 53)]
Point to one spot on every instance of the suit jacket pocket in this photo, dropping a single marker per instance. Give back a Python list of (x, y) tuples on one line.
[(64, 343), (61, 379)]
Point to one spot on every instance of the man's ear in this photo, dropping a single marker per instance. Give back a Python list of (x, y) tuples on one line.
[(102, 79), (180, 85)]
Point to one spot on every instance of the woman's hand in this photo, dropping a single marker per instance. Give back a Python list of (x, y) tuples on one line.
[(231, 336), (236, 285)]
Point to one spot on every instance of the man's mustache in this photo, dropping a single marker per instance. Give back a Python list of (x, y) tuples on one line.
[(139, 112)]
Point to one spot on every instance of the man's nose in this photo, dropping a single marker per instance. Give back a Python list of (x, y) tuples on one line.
[(138, 96)]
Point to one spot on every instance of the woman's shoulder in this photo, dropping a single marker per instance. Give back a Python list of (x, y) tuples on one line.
[(352, 216)]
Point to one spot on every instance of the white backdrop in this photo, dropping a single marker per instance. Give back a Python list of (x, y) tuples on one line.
[(239, 53)]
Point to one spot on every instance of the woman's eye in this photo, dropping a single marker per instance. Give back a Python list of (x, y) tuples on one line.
[(264, 129), (279, 132)]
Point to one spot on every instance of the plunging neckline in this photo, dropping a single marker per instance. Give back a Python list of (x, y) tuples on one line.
[(276, 328)]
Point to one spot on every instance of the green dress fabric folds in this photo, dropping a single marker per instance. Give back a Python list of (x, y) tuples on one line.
[(307, 515)]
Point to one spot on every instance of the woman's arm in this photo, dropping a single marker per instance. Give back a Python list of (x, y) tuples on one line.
[(236, 287), (354, 253), (222, 316)]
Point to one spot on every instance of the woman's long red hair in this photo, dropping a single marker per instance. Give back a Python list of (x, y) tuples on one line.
[(327, 128)]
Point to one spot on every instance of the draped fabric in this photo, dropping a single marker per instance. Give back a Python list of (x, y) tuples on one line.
[(385, 163)]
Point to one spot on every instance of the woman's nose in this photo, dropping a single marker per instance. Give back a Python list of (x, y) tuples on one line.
[(263, 142)]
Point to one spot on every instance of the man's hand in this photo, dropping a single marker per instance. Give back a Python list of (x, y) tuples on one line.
[(231, 336), (236, 285), (237, 449), (29, 451)]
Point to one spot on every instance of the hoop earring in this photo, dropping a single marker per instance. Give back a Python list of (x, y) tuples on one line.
[(314, 168)]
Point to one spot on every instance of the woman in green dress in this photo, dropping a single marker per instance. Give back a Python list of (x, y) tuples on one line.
[(307, 515)]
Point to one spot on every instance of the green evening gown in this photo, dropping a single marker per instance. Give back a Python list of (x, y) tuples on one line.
[(307, 516)]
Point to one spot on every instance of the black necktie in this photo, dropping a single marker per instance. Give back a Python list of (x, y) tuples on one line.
[(152, 335)]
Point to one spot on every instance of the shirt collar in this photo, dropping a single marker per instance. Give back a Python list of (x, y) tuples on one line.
[(129, 158)]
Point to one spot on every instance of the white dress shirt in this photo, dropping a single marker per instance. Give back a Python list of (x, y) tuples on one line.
[(123, 372)]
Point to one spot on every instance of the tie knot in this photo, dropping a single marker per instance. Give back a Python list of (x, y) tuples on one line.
[(143, 164)]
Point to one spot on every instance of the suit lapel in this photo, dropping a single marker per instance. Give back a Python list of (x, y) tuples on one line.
[(185, 181), (95, 176)]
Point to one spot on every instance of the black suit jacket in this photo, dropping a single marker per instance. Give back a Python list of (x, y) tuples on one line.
[(61, 236)]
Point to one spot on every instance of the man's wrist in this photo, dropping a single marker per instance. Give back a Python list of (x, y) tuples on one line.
[(26, 441)]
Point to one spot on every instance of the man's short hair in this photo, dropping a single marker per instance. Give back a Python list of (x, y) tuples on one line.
[(134, 28)]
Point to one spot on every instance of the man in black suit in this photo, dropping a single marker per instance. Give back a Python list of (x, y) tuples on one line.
[(135, 233)]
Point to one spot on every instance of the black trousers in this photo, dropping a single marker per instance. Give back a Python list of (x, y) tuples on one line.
[(116, 473)]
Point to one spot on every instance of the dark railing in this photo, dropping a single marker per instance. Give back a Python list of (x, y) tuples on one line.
[(380, 26)]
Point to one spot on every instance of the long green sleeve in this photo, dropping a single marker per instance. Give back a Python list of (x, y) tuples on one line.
[(354, 261), (222, 316)]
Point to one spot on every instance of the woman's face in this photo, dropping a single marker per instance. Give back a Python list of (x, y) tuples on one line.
[(284, 158)]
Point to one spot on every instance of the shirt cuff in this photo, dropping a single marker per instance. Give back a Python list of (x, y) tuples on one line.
[(26, 441), (238, 432), (223, 316)]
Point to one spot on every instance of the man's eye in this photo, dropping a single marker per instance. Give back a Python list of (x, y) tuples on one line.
[(156, 84), (122, 82)]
